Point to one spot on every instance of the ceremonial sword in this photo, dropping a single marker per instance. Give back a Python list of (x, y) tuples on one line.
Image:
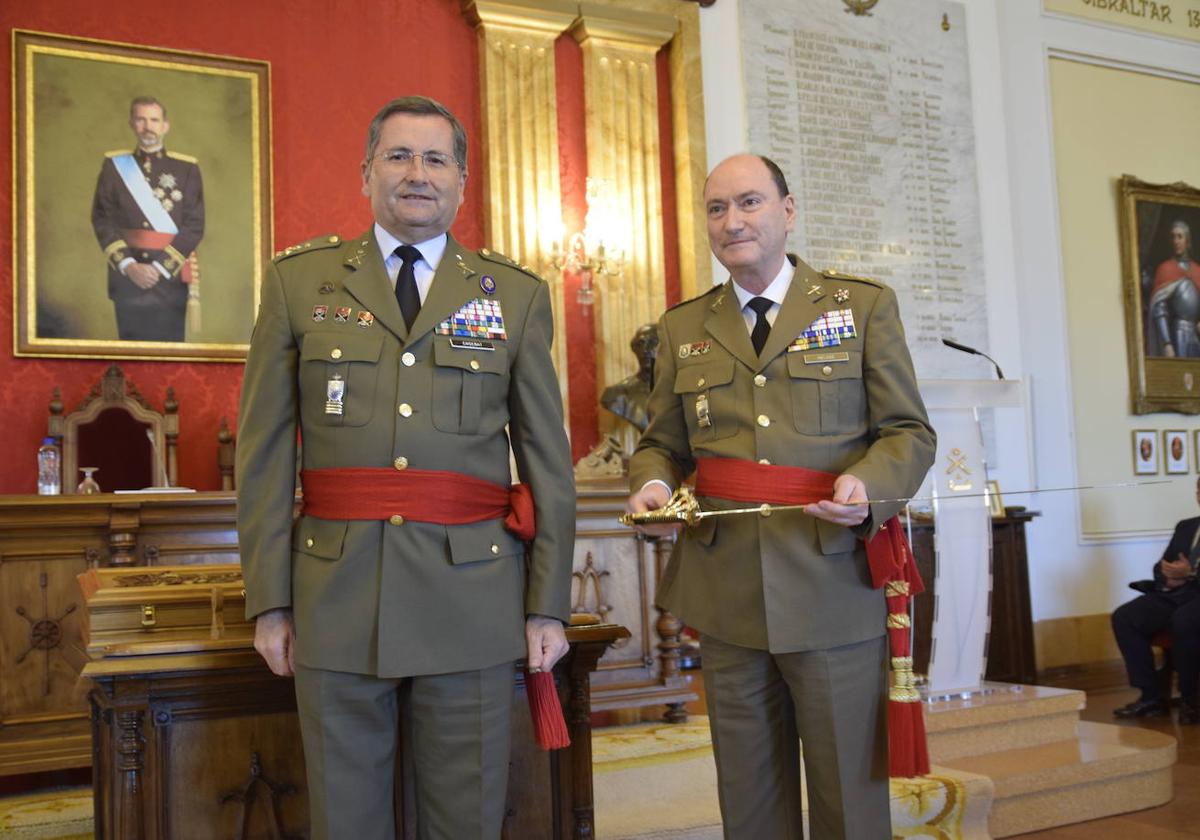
[(684, 507)]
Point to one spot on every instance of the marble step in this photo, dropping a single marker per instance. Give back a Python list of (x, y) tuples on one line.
[(1001, 717), (1104, 770)]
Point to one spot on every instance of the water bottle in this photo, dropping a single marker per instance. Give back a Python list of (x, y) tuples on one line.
[(49, 483)]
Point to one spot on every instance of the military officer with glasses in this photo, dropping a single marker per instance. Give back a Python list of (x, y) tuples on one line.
[(410, 366)]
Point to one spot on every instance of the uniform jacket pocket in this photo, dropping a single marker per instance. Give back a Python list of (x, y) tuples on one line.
[(828, 395), (352, 357), (706, 393), (478, 541), (321, 538), (462, 380), (834, 538)]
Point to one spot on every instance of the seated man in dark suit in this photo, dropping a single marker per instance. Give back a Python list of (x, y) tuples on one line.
[(1170, 603)]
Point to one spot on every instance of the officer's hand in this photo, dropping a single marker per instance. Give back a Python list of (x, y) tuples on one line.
[(545, 642), (651, 497), (1169, 351), (1178, 569), (143, 276), (275, 640), (839, 510)]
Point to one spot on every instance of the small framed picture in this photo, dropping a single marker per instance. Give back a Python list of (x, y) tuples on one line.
[(995, 501), (1145, 452), (1175, 444), (1196, 449)]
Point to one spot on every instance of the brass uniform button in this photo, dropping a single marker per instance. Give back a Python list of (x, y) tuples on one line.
[(333, 239), (310, 542), (765, 511), (827, 370), (400, 463), (764, 420), (405, 410), (759, 380), (700, 382), (396, 519), (495, 549), (408, 359), (764, 461), (474, 364), (335, 353)]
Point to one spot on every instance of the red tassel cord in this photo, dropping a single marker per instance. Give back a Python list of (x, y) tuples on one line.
[(549, 726)]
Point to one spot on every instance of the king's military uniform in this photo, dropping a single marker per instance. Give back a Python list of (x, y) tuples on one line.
[(393, 597), (127, 228), (832, 391)]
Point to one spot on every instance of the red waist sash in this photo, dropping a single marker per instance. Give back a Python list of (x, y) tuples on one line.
[(155, 240), (151, 240), (438, 496), (749, 482)]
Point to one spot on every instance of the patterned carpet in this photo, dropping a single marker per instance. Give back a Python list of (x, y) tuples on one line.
[(47, 815), (656, 781), (653, 781)]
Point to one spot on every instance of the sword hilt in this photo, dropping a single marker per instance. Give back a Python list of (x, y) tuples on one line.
[(681, 507)]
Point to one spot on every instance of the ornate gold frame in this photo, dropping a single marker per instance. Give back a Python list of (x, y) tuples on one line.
[(1156, 382), (30, 50), (1185, 463), (1152, 436)]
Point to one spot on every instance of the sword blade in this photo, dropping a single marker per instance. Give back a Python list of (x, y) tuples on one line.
[(769, 508), (987, 493)]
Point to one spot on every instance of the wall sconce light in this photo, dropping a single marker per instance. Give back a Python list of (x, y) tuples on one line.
[(586, 251)]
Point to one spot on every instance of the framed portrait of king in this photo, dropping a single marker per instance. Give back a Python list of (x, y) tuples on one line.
[(1159, 225), (142, 199)]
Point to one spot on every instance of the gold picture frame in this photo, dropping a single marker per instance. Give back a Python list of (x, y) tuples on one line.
[(1145, 452), (1176, 460), (74, 175), (1159, 310)]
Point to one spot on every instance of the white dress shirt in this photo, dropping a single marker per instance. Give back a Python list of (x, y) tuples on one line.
[(431, 254)]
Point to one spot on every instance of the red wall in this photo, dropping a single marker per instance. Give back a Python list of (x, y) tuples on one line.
[(332, 66)]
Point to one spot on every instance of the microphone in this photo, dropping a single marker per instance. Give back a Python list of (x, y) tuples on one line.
[(965, 349)]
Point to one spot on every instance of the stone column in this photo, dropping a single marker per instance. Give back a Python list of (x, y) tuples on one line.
[(622, 123)]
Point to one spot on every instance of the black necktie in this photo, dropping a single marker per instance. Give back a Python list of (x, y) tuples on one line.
[(406, 284), (762, 327)]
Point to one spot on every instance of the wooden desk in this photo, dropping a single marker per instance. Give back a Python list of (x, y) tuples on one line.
[(45, 542), (1010, 654), (205, 743)]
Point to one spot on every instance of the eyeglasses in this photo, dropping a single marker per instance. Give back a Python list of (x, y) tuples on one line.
[(403, 158)]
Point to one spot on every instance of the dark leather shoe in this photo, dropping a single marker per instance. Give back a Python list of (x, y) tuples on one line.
[(1142, 708), (1189, 713)]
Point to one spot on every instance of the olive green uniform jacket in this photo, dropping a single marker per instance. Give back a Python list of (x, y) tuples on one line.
[(412, 598), (787, 582)]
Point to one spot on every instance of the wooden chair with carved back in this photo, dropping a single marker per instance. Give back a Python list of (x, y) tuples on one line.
[(117, 431)]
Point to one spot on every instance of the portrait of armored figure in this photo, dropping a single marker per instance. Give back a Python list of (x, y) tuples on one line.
[(1171, 285)]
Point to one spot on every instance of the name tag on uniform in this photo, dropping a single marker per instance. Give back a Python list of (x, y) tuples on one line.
[(472, 344), (823, 358)]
